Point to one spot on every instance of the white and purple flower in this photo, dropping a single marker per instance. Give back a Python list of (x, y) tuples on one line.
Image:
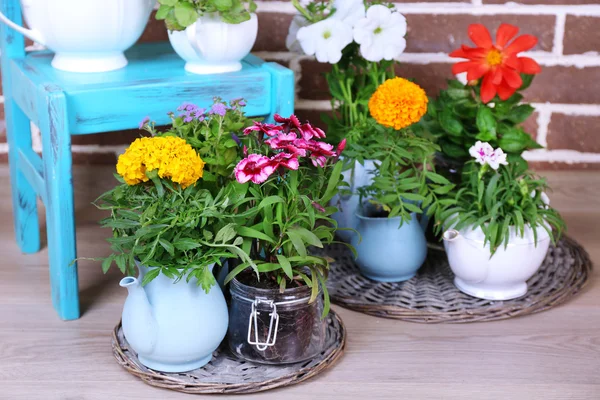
[(484, 153)]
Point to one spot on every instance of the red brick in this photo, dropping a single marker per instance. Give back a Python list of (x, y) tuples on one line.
[(103, 158), (435, 33), (312, 81), (273, 29), (574, 133), (565, 85), (155, 31), (108, 138), (313, 116), (581, 34), (431, 77), (531, 126)]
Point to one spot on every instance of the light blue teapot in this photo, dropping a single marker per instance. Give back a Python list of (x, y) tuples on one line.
[(173, 326)]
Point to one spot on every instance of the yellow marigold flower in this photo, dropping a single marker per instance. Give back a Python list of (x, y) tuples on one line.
[(398, 103), (173, 157)]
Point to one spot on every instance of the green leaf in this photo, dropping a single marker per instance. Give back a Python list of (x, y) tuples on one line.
[(121, 262), (253, 233), (185, 244), (168, 2), (285, 265), (437, 178), (486, 123), (333, 182), (267, 201), (150, 275), (226, 233), (297, 242), (162, 12), (520, 113), (107, 263), (167, 246), (185, 14), (449, 123), (307, 236), (222, 5)]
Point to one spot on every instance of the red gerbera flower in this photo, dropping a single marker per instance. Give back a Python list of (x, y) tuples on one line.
[(498, 64)]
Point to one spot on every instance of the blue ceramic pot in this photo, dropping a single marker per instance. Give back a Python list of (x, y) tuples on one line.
[(389, 252), (357, 176)]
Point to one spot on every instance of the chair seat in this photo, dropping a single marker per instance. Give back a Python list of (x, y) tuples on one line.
[(153, 83)]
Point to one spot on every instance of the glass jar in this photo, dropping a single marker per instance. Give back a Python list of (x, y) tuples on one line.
[(270, 327)]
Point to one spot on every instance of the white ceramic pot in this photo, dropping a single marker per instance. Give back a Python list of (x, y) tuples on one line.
[(86, 35), (502, 276), (211, 46)]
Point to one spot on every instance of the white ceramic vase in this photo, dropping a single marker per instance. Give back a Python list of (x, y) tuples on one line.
[(173, 327), (211, 46), (502, 276), (86, 35)]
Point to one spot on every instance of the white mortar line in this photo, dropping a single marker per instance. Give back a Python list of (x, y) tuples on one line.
[(3, 148), (543, 122), (559, 34), (591, 110), (477, 3), (565, 156), (460, 8), (1, 99), (319, 105), (544, 58)]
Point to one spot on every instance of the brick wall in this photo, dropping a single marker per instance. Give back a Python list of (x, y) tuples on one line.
[(566, 95)]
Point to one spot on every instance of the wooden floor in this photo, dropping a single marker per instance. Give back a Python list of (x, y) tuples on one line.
[(552, 355)]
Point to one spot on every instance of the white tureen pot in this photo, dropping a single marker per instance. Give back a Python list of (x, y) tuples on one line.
[(211, 46), (86, 35), (502, 276)]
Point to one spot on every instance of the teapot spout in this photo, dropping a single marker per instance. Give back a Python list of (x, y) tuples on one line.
[(139, 324), (467, 260), (451, 235)]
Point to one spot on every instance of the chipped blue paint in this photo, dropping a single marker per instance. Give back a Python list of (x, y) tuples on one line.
[(64, 104)]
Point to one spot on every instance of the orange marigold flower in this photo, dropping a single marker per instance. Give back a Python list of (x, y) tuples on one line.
[(398, 103), (498, 64)]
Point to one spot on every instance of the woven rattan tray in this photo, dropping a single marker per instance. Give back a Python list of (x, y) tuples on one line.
[(431, 297), (228, 374)]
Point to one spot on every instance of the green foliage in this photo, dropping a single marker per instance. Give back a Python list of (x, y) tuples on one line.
[(282, 218), (179, 14), (497, 201), (404, 180), (353, 80), (213, 136), (458, 118), (174, 231)]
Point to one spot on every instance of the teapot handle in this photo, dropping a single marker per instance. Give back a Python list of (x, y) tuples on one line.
[(30, 33)]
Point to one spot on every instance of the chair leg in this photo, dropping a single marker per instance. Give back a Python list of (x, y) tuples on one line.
[(282, 95), (27, 230), (60, 217)]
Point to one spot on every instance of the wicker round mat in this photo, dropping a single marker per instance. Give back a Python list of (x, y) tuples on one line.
[(228, 374), (431, 297)]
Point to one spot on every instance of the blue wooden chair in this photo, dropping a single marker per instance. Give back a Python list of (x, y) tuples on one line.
[(62, 104)]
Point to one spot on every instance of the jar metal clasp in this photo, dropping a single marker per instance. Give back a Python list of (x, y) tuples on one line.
[(273, 324)]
